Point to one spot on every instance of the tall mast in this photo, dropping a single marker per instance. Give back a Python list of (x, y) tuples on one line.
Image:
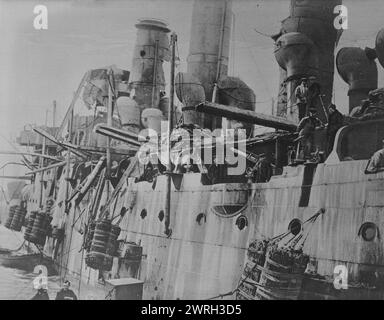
[(109, 124), (218, 71), (167, 230), (68, 168), (42, 165), (154, 88), (220, 53), (54, 113)]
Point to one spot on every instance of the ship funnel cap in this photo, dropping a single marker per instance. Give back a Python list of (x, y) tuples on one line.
[(356, 68), (294, 52), (149, 23)]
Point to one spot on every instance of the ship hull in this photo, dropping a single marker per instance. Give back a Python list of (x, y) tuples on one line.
[(204, 258)]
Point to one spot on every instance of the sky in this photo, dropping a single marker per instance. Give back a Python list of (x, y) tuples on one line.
[(39, 66)]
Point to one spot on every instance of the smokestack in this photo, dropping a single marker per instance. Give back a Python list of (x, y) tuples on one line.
[(296, 54), (190, 92), (281, 110), (147, 75), (209, 48), (313, 19), (357, 68)]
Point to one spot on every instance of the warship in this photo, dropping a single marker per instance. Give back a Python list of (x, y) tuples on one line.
[(146, 197)]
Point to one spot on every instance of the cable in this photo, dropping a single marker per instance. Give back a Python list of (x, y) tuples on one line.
[(5, 196), (263, 34), (257, 66), (81, 213), (233, 47)]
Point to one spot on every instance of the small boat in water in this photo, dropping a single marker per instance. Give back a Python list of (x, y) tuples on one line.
[(26, 259), (27, 262), (4, 251)]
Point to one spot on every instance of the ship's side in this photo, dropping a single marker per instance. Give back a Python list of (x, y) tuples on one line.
[(203, 251), (205, 254)]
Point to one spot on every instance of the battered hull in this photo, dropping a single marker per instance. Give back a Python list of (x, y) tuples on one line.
[(205, 258)]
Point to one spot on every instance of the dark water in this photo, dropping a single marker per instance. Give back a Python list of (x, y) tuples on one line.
[(19, 285)]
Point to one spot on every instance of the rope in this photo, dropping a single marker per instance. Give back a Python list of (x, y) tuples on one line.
[(312, 220), (5, 196), (274, 239), (256, 65), (242, 281), (109, 293), (295, 240), (223, 295), (263, 34), (81, 271), (81, 213)]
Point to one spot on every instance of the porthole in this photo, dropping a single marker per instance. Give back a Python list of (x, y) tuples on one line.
[(142, 53), (295, 226), (143, 213), (368, 231), (161, 215), (242, 222), (201, 218)]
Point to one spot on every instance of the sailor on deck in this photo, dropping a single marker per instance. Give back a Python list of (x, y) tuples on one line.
[(301, 94), (306, 131), (335, 122)]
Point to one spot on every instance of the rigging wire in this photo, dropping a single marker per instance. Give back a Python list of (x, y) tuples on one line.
[(275, 239), (4, 194), (233, 47), (263, 34), (253, 58)]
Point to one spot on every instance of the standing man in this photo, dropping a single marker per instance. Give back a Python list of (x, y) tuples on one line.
[(335, 122), (301, 94), (66, 293), (306, 131)]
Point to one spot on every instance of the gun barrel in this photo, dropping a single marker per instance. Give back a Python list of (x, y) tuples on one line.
[(234, 113)]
